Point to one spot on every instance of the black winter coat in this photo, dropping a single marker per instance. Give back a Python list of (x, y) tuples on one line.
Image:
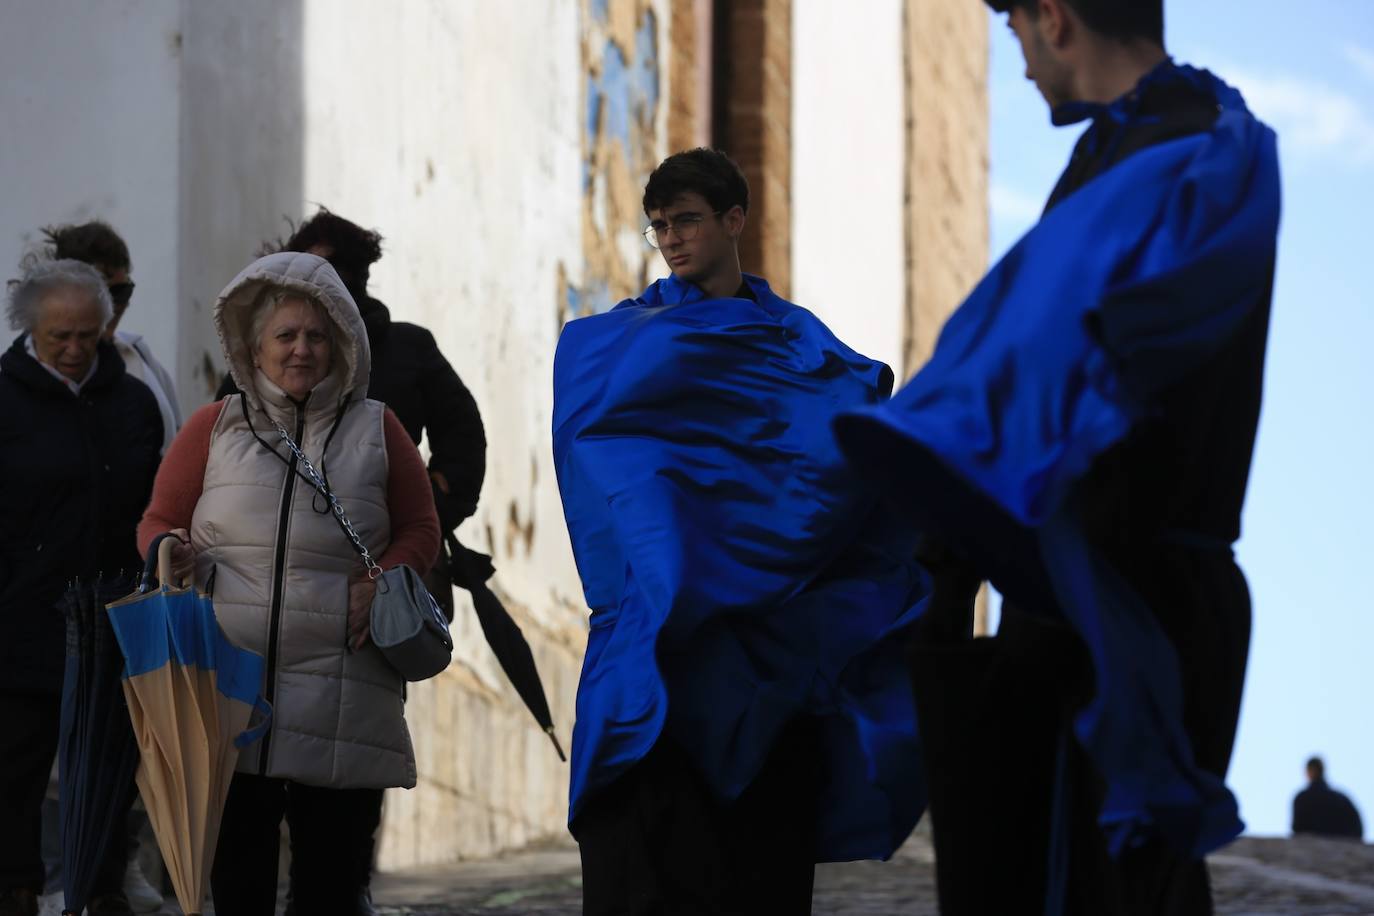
[(1321, 810), (411, 376), (76, 472)]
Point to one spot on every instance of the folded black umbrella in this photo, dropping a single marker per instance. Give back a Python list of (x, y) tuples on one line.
[(471, 570), (97, 752)]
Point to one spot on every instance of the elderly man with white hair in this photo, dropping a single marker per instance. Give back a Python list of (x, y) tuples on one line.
[(79, 447)]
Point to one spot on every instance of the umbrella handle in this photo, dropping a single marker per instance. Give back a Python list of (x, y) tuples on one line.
[(165, 544)]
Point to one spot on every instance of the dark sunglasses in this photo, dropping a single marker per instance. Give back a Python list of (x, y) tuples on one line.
[(121, 293)]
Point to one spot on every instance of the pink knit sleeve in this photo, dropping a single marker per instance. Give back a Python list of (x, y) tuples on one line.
[(180, 477)]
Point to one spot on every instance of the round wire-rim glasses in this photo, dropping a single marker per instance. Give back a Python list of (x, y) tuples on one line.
[(685, 227)]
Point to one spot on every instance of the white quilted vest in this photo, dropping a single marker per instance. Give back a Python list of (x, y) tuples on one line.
[(281, 563)]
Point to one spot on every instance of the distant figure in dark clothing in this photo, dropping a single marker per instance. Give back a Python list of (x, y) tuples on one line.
[(1321, 810), (96, 243)]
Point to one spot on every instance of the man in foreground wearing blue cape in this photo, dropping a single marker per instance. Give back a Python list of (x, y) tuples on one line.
[(1082, 437), (744, 710)]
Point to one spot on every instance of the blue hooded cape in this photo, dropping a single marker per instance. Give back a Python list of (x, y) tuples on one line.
[(737, 575), (1055, 357)]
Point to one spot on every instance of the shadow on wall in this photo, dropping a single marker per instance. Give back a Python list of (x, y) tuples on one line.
[(242, 158)]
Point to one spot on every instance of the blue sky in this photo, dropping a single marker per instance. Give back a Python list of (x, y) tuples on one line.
[(1307, 70)]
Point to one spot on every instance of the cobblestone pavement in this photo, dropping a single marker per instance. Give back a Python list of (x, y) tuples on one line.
[(1252, 877), (547, 883)]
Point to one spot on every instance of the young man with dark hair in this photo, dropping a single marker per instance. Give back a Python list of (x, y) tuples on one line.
[(96, 243), (1124, 22), (352, 250), (743, 711), (1082, 437), (697, 202)]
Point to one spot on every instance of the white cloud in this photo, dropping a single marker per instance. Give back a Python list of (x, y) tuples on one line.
[(1361, 58), (1311, 117)]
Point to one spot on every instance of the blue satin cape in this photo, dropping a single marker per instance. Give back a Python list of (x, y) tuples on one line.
[(737, 575), (1120, 290)]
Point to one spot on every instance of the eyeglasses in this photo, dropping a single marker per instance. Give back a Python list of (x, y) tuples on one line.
[(685, 227), (121, 293)]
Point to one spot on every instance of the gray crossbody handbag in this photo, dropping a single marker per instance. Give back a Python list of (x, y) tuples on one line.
[(407, 624)]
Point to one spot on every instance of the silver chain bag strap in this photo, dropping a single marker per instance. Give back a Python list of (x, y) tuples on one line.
[(407, 623)]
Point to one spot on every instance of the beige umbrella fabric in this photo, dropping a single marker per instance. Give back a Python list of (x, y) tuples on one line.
[(192, 696)]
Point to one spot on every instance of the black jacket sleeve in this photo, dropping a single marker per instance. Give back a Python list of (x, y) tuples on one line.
[(457, 441)]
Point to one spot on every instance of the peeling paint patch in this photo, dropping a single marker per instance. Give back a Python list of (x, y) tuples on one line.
[(576, 301), (592, 299), (623, 96), (595, 100), (623, 79), (613, 90), (644, 77), (518, 531)]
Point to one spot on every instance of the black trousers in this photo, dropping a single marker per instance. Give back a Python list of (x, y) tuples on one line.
[(1202, 602), (28, 744), (658, 841), (995, 715), (331, 847)]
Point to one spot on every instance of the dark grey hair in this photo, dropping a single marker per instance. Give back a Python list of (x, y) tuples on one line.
[(43, 277), (267, 305)]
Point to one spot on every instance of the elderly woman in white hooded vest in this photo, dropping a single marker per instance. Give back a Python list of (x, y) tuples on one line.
[(288, 584)]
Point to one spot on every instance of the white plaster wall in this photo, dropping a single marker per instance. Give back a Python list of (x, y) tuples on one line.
[(239, 169), (455, 130), (89, 101), (848, 167)]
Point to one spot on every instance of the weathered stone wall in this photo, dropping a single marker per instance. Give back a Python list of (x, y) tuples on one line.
[(947, 164), (90, 99), (624, 63), (242, 142), (474, 161), (501, 148), (849, 171), (549, 207), (946, 64), (691, 79), (756, 127)]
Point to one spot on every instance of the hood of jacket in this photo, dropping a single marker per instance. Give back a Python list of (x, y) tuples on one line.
[(313, 277)]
